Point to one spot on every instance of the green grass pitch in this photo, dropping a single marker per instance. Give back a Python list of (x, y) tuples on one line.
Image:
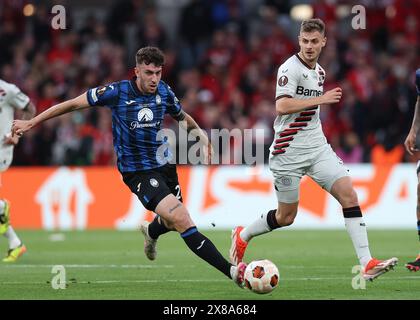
[(111, 265)]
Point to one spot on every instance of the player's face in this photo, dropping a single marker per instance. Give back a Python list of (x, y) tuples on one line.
[(311, 44), (148, 77)]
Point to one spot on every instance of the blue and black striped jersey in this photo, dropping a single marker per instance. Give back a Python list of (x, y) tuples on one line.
[(418, 81), (136, 121)]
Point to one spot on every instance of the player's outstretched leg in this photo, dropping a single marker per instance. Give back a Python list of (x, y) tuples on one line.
[(206, 250), (16, 248), (273, 219), (149, 243), (238, 246), (238, 274), (151, 232), (174, 212)]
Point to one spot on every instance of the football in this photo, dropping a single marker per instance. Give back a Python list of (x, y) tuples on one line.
[(261, 276)]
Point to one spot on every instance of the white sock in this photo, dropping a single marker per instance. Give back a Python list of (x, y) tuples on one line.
[(233, 271), (259, 226), (2, 206), (356, 228), (14, 240)]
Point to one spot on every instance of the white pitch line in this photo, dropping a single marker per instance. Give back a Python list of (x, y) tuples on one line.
[(196, 280), (87, 266), (116, 281)]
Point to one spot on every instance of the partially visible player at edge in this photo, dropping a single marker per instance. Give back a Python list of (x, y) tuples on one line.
[(138, 107), (410, 145), (300, 148), (12, 101)]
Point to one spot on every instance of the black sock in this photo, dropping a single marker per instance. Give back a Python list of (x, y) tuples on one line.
[(205, 249), (352, 212), (157, 228), (271, 220), (418, 228)]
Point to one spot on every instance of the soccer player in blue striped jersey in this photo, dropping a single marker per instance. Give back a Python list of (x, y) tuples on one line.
[(411, 146), (138, 107)]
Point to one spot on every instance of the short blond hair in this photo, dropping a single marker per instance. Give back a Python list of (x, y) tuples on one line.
[(311, 25)]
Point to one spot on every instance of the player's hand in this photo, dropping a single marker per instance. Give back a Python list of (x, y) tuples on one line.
[(10, 139), (332, 96), (410, 142), (21, 126)]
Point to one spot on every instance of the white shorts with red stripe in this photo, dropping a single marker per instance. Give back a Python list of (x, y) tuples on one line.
[(320, 163)]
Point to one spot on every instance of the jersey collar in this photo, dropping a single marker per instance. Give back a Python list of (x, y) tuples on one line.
[(137, 90), (134, 86), (304, 63)]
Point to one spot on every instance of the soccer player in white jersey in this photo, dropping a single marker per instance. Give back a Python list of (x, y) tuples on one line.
[(300, 148), (11, 100)]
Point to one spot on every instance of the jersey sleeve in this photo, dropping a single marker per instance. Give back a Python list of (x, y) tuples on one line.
[(103, 95), (287, 81), (418, 81), (17, 98), (174, 107)]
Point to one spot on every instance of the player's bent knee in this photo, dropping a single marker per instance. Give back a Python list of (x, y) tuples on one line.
[(182, 221), (168, 224), (348, 198)]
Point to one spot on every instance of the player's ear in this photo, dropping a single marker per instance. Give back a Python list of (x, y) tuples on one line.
[(136, 71), (324, 41)]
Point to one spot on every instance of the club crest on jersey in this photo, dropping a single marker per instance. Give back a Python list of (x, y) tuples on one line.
[(283, 80), (158, 99), (145, 115), (101, 90), (154, 183)]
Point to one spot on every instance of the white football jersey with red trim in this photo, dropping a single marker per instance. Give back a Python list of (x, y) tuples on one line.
[(302, 130), (11, 99)]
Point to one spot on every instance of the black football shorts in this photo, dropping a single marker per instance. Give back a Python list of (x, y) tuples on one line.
[(151, 186)]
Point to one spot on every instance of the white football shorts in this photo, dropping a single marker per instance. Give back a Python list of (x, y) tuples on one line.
[(320, 163)]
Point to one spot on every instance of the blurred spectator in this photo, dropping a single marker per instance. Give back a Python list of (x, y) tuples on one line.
[(350, 150), (195, 28)]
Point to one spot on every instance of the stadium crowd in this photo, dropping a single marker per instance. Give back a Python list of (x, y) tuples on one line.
[(221, 60)]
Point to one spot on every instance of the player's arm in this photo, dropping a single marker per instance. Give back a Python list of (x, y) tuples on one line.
[(27, 113), (410, 141), (80, 102), (188, 123), (288, 105)]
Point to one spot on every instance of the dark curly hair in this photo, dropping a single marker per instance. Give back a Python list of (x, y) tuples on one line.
[(150, 55)]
